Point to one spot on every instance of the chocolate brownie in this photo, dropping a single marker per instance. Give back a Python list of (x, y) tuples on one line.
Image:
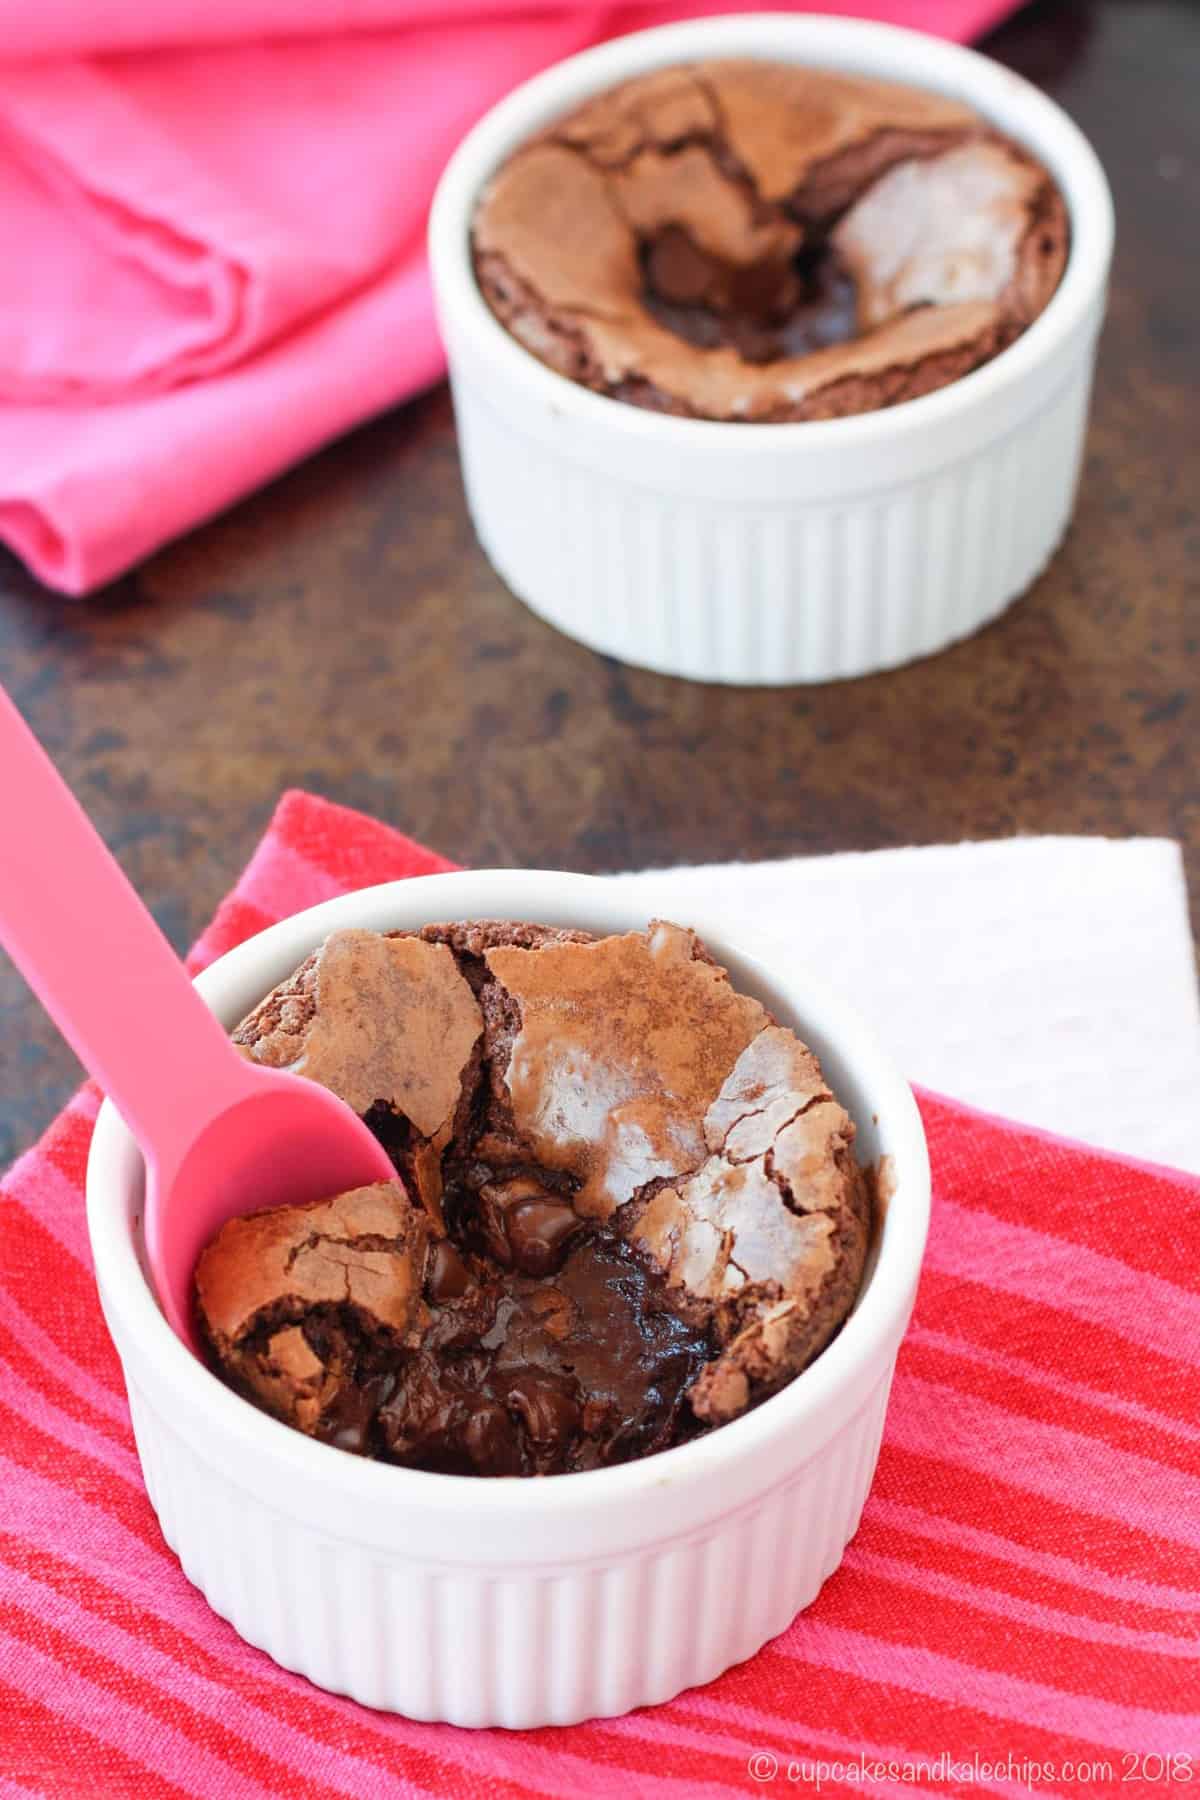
[(628, 1205), (749, 241)]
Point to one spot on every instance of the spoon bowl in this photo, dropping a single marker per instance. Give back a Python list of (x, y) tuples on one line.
[(284, 1142)]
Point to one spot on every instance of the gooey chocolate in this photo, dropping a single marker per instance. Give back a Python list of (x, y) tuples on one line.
[(626, 1208), (750, 240)]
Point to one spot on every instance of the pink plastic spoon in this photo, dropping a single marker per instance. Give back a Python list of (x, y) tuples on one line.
[(220, 1135)]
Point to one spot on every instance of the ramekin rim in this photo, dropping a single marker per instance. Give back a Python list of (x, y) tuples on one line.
[(1086, 193), (873, 1329)]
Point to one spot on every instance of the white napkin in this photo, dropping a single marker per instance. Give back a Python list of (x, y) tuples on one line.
[(1049, 979)]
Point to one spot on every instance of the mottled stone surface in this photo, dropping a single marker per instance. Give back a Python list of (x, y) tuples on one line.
[(343, 631)]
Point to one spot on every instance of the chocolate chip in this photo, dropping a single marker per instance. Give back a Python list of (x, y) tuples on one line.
[(490, 1440), (446, 1276), (547, 1408), (495, 1197), (526, 1226), (540, 1232)]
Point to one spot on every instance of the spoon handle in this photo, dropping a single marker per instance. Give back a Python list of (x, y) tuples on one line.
[(98, 962)]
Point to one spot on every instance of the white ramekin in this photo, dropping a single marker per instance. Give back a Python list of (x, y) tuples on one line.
[(774, 553), (510, 1602)]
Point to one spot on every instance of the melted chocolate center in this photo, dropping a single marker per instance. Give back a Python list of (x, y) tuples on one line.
[(765, 311), (521, 1374)]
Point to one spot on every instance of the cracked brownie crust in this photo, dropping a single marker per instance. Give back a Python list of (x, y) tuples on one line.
[(629, 1206), (746, 240)]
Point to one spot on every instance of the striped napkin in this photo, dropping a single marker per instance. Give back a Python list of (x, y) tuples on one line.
[(1018, 1611)]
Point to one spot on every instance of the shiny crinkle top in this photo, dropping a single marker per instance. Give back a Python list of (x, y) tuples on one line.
[(750, 240), (629, 1208)]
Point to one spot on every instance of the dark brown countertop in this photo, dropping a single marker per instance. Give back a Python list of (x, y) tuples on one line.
[(342, 631)]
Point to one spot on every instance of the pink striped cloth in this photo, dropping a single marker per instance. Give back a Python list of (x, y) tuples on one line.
[(1020, 1608), (220, 210)]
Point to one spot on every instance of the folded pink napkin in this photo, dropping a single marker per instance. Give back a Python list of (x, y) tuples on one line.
[(1018, 1613), (219, 236)]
